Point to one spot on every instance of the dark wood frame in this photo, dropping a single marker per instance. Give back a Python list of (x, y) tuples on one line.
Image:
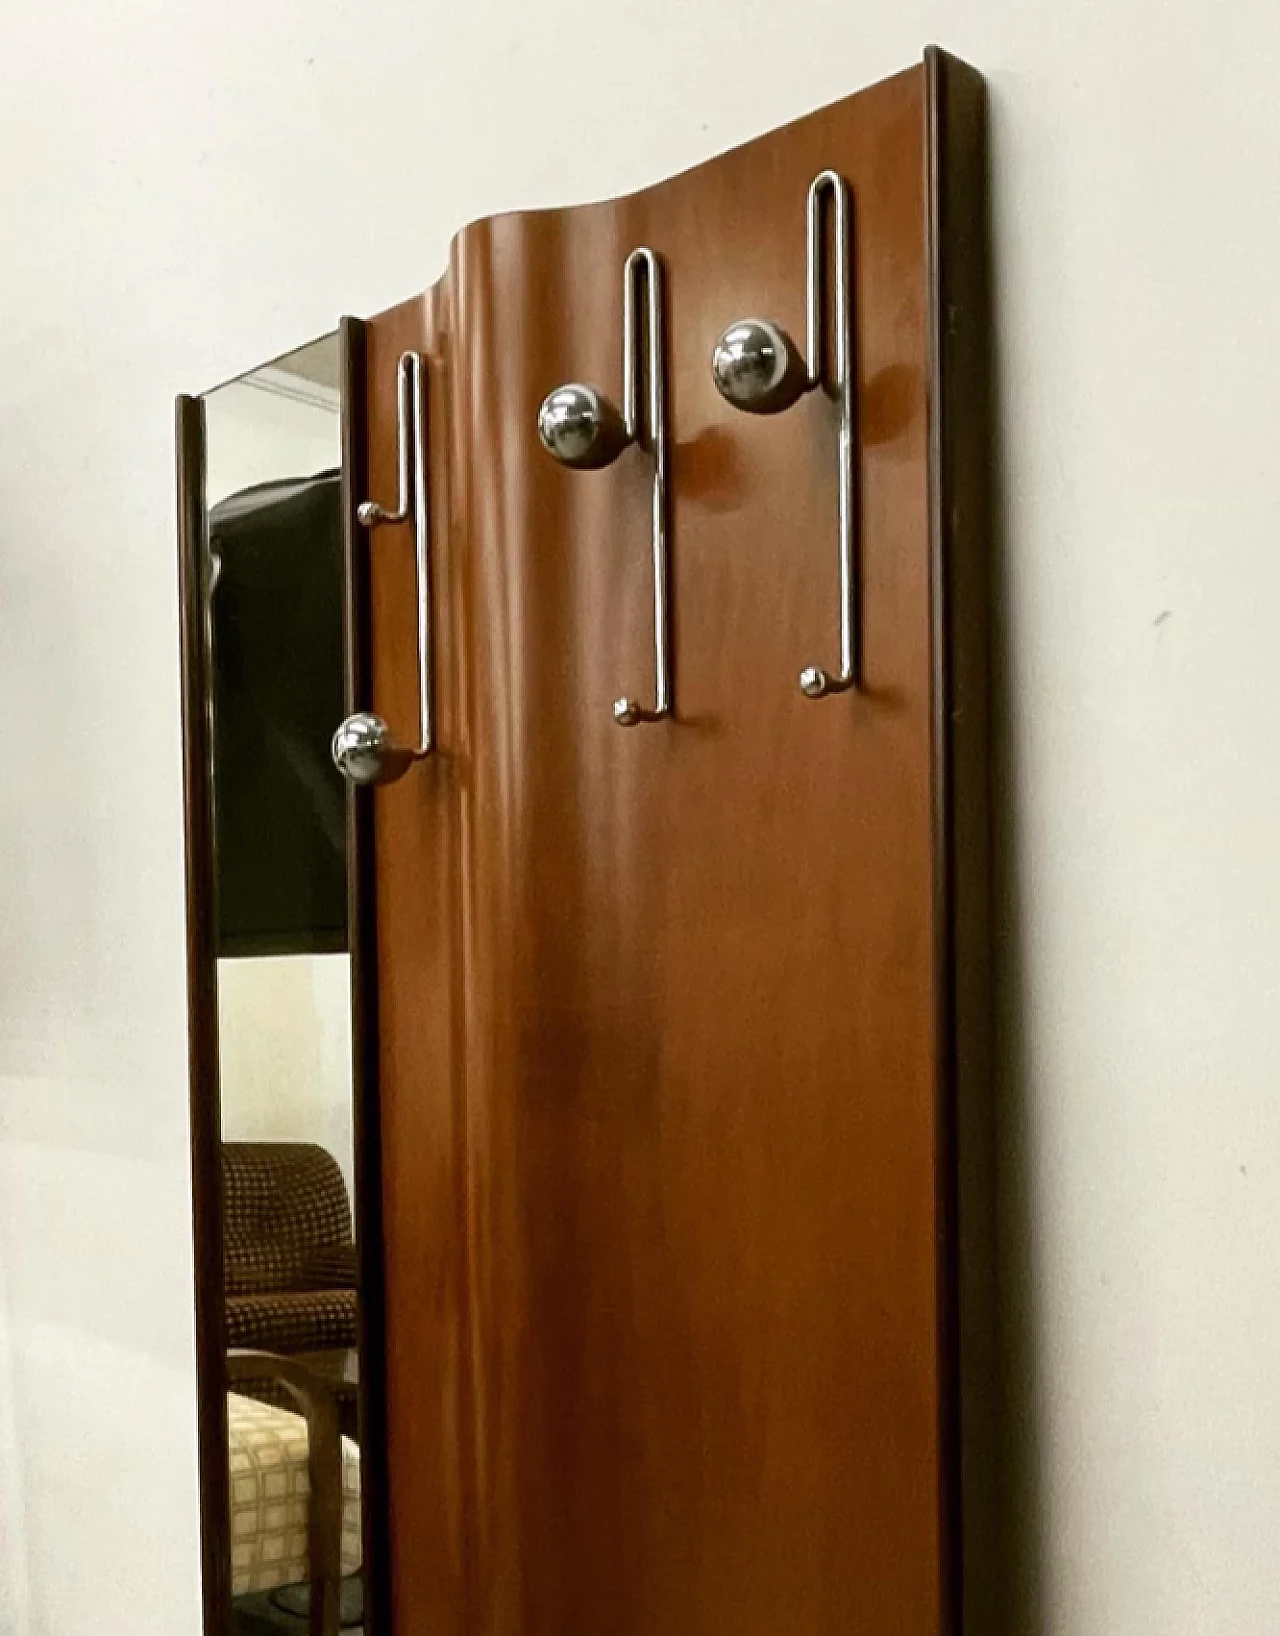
[(961, 557), (213, 1370), (202, 1021), (362, 932)]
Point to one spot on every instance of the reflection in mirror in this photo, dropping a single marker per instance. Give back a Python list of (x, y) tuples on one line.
[(290, 1321)]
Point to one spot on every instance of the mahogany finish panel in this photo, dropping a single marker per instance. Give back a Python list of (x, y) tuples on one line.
[(417, 844), (666, 1017)]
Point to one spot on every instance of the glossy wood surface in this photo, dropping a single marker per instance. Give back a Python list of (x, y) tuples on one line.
[(665, 1058), (417, 830)]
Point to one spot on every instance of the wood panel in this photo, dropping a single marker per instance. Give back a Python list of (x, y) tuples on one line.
[(417, 826), (667, 1015)]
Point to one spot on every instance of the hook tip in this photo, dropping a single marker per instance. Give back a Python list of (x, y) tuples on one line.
[(626, 712), (814, 681)]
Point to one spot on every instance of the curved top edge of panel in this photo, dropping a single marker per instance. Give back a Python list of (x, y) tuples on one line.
[(934, 59)]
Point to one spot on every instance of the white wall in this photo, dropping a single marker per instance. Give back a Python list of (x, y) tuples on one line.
[(284, 1042), (188, 190)]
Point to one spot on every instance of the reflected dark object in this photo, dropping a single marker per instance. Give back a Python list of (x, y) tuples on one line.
[(279, 805)]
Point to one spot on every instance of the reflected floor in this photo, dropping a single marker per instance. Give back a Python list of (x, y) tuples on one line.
[(263, 1614)]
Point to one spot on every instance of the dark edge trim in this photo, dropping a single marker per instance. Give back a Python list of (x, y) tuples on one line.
[(363, 941), (959, 505), (202, 1020)]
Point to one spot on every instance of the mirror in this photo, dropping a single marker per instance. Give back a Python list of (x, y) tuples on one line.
[(287, 1524)]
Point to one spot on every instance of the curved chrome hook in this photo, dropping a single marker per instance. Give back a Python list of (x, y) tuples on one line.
[(651, 434), (369, 513), (814, 680), (364, 748), (756, 368), (583, 430)]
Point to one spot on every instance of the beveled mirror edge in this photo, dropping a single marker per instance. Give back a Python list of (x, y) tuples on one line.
[(270, 366), (202, 1022)]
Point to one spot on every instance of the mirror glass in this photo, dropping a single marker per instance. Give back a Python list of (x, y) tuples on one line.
[(273, 589)]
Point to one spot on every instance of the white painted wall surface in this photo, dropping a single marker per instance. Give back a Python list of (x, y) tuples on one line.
[(186, 191), (284, 1038)]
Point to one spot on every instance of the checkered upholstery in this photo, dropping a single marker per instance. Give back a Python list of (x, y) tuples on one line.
[(270, 1497), (289, 1255), (306, 1321), (284, 1206)]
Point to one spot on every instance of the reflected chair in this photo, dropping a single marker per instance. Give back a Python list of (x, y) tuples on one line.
[(294, 1486), (290, 1257)]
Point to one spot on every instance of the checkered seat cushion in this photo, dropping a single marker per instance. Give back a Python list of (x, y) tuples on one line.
[(270, 1497)]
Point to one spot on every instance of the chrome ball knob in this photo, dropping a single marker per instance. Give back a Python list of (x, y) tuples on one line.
[(364, 751), (756, 367), (580, 427)]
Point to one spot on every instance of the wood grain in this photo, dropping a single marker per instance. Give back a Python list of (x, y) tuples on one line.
[(417, 842), (666, 1016)]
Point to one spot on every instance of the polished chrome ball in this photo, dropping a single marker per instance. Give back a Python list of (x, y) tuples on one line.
[(365, 753), (580, 427), (757, 368)]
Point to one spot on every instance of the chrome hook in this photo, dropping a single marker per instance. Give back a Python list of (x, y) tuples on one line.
[(364, 748), (585, 431), (757, 368)]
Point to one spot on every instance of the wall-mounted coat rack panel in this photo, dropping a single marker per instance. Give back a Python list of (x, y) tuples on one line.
[(679, 1030)]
